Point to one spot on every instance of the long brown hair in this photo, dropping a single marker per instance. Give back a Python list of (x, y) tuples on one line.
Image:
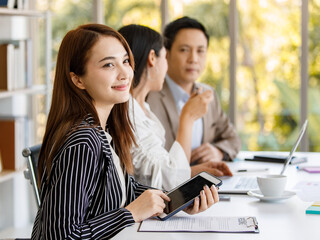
[(70, 104)]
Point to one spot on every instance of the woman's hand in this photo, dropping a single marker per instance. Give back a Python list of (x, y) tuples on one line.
[(197, 105), (195, 108), (215, 168), (149, 203), (206, 152), (208, 197)]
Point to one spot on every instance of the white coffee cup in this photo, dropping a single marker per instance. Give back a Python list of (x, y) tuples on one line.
[(272, 185)]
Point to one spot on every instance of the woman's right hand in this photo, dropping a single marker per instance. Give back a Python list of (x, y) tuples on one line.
[(149, 203), (215, 168), (197, 105)]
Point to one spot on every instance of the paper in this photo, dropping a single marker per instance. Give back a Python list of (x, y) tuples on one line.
[(201, 224), (308, 191)]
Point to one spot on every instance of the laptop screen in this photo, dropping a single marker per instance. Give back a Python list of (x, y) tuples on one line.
[(302, 131)]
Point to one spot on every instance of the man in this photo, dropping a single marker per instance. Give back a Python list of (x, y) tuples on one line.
[(214, 137)]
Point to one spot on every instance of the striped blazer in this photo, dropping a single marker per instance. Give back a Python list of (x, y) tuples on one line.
[(82, 197)]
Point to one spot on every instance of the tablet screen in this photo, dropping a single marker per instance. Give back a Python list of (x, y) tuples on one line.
[(185, 193)]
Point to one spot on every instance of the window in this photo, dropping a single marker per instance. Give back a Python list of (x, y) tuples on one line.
[(268, 67), (268, 74), (314, 76)]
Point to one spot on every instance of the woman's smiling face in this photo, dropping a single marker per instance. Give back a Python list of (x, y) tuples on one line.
[(108, 74)]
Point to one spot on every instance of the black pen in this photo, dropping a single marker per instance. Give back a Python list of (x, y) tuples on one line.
[(253, 170)]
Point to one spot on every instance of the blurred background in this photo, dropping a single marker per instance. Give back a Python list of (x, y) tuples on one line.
[(263, 60), (266, 58)]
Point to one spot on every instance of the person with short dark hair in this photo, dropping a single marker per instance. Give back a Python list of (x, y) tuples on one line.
[(214, 137)]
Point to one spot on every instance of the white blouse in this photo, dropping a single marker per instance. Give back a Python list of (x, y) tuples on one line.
[(154, 165), (116, 162)]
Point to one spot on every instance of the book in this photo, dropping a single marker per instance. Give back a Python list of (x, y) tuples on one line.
[(13, 66), (12, 142), (14, 28), (246, 224), (6, 66), (19, 78), (28, 60), (14, 106), (7, 3), (314, 208), (19, 4), (0, 162), (316, 204)]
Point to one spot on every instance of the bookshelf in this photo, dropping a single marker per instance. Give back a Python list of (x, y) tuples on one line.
[(38, 89), (28, 92), (8, 174), (32, 95)]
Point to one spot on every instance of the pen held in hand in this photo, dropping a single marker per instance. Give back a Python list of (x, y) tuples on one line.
[(253, 170)]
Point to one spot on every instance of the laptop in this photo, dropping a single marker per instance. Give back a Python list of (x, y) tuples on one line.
[(243, 184)]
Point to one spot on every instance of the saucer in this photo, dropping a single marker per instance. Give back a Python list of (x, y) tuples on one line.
[(258, 194)]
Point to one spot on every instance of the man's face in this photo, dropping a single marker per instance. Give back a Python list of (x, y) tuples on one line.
[(187, 56)]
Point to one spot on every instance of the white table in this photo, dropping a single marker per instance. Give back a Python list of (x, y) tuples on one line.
[(277, 220)]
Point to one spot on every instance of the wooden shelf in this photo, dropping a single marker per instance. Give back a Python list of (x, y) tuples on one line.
[(21, 12), (37, 89), (6, 175)]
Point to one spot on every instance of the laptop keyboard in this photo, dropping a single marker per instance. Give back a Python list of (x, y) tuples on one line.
[(247, 183)]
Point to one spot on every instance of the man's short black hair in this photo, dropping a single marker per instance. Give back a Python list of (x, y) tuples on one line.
[(174, 27)]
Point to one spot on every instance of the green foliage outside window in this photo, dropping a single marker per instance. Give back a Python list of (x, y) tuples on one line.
[(268, 70)]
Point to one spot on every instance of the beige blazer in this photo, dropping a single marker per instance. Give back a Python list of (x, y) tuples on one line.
[(217, 128)]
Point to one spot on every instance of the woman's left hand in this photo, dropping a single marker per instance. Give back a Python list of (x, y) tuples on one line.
[(208, 197)]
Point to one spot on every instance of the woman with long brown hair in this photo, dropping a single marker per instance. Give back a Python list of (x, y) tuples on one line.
[(86, 189)]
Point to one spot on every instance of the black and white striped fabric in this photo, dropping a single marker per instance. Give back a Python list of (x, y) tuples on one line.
[(82, 197)]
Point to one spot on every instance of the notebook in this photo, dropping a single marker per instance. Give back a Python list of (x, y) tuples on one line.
[(314, 208), (243, 184), (276, 159)]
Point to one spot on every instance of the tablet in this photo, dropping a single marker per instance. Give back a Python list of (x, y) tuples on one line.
[(184, 195)]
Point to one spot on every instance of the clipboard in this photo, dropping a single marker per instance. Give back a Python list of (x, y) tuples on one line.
[(219, 224)]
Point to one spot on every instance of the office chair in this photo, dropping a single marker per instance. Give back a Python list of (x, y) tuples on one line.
[(32, 155)]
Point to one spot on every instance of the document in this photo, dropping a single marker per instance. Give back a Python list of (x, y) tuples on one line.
[(246, 224), (308, 191)]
